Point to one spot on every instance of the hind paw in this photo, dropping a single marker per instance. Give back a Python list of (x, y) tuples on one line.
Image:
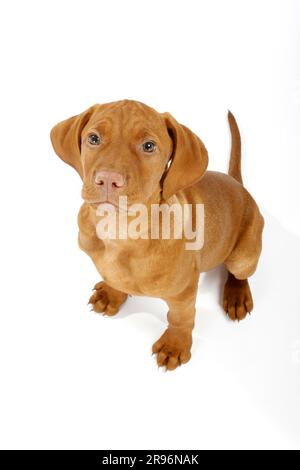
[(237, 301)]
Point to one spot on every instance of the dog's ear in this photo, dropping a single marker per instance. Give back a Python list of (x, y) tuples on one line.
[(188, 161), (66, 138)]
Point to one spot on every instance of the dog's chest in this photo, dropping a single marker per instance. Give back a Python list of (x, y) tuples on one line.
[(134, 271), (139, 267)]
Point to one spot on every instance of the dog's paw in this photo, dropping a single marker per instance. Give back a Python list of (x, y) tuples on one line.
[(237, 301), (173, 348), (106, 300)]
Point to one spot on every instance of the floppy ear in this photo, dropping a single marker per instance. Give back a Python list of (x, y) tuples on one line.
[(189, 158), (66, 138)]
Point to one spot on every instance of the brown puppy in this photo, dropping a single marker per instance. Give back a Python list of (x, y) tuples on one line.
[(128, 149)]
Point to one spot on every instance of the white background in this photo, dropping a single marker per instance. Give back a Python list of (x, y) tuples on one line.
[(70, 378)]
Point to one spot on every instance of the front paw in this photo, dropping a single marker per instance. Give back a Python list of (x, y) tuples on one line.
[(106, 300), (173, 348)]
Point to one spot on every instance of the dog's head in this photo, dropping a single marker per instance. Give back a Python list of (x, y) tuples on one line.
[(128, 149)]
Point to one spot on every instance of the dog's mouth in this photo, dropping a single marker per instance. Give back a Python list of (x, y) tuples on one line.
[(95, 202), (90, 196), (119, 202), (107, 204)]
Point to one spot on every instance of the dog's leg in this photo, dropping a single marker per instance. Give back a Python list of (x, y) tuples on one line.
[(174, 347), (237, 300), (106, 300)]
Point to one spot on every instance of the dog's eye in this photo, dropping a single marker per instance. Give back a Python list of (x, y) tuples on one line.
[(149, 146), (94, 139)]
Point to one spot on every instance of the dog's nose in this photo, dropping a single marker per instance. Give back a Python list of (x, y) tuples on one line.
[(109, 179)]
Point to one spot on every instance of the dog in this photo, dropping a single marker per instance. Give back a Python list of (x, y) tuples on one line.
[(127, 149)]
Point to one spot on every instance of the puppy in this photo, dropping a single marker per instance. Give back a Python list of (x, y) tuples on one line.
[(128, 151)]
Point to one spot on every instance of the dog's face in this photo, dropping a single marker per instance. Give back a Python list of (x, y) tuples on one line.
[(128, 149), (124, 151)]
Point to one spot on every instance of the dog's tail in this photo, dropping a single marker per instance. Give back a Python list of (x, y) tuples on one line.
[(235, 154)]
